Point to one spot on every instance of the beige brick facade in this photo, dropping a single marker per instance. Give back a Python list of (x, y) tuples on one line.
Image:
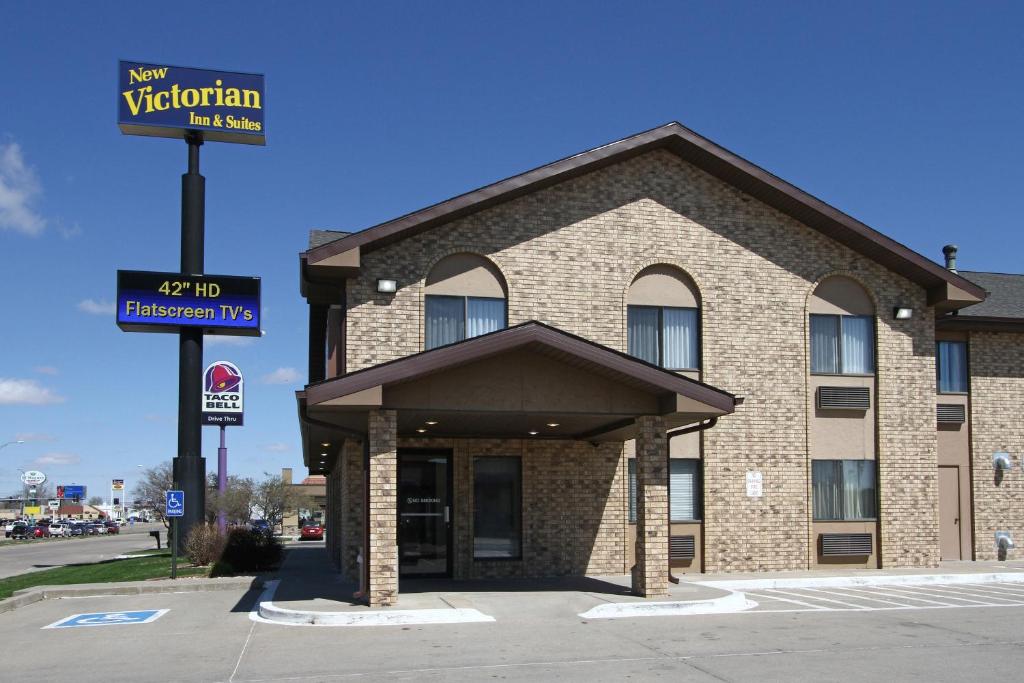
[(997, 412), (650, 578), (568, 254), (383, 464)]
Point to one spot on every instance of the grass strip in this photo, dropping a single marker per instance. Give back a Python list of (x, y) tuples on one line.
[(156, 566)]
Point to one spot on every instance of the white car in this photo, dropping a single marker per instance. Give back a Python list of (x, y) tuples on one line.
[(60, 529)]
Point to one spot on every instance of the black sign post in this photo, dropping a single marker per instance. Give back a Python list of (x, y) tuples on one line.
[(160, 100), (189, 466)]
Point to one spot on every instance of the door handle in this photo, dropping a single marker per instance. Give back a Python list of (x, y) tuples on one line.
[(447, 514)]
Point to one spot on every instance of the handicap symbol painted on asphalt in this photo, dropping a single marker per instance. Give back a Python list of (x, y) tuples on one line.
[(109, 618)]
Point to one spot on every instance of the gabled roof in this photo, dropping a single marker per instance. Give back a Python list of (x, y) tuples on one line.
[(1002, 310), (944, 286), (572, 348)]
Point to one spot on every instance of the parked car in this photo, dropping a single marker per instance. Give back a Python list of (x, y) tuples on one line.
[(9, 526), (261, 526), (20, 530), (80, 529), (40, 531), (60, 529), (312, 532), (112, 528)]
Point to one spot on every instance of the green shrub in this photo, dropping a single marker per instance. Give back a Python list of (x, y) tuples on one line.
[(221, 568), (248, 551), (204, 545)]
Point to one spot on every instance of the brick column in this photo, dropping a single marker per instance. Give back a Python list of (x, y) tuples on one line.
[(650, 575), (352, 524), (383, 517)]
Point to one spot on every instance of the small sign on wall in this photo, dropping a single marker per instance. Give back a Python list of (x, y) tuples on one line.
[(755, 484)]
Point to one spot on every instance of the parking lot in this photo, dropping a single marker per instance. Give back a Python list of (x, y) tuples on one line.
[(875, 598), (18, 557)]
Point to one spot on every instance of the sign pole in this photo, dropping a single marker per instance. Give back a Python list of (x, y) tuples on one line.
[(222, 481), (174, 549), (189, 466)]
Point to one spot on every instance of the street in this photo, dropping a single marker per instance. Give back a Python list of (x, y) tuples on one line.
[(26, 556), (881, 633)]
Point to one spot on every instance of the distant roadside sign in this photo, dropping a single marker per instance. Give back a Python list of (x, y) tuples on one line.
[(33, 478), (71, 491), (175, 503), (54, 505)]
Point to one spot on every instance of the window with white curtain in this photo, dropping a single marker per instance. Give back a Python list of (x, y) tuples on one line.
[(951, 366), (453, 318), (844, 490), (684, 490), (664, 335), (842, 344)]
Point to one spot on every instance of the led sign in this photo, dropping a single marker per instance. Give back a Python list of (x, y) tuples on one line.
[(165, 302)]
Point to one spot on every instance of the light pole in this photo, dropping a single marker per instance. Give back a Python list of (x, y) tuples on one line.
[(11, 443)]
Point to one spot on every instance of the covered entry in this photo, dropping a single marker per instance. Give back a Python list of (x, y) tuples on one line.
[(535, 420)]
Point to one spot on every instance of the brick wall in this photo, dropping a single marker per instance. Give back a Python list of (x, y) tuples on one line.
[(383, 466), (573, 507), (569, 253), (997, 424)]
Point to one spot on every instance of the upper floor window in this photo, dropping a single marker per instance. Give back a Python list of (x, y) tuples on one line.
[(842, 329), (951, 366), (465, 296), (663, 319)]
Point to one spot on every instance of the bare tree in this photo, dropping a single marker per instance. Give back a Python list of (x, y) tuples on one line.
[(149, 493), (237, 501), (273, 498), (94, 501)]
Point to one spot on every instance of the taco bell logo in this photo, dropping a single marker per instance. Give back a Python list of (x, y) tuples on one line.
[(222, 394)]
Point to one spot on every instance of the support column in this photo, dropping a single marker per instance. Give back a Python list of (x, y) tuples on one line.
[(383, 513), (650, 575)]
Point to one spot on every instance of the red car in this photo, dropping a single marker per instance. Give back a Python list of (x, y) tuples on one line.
[(41, 531), (312, 532), (112, 527)]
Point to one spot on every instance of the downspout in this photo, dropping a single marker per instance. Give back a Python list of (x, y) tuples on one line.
[(699, 427)]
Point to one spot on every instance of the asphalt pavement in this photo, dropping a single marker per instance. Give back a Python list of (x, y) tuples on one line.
[(211, 637), (42, 553)]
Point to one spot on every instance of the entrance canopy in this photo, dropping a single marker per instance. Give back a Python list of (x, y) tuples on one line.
[(527, 381)]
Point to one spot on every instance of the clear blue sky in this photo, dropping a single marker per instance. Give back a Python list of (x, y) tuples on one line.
[(905, 115)]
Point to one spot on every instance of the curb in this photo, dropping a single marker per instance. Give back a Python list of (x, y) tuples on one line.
[(734, 602), (845, 581), (27, 596), (266, 612)]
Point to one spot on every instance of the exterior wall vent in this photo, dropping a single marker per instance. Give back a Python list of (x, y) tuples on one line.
[(951, 413), (844, 398), (846, 544), (681, 547)]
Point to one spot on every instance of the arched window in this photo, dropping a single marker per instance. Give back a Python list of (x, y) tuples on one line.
[(465, 297), (842, 328), (663, 319)]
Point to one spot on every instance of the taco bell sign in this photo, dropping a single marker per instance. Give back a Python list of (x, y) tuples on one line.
[(222, 395)]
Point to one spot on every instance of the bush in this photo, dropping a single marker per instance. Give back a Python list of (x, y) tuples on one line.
[(249, 551), (204, 545)]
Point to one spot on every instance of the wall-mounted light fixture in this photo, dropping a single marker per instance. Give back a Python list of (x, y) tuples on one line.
[(387, 286), (1002, 461), (902, 313), (1004, 541)]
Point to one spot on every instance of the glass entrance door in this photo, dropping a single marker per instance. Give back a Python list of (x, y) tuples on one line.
[(424, 513)]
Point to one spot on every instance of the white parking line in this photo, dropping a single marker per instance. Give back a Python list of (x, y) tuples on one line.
[(775, 597), (991, 595), (951, 594), (907, 594), (870, 596), (814, 597)]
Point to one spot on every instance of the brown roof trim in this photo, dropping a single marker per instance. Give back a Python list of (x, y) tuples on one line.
[(426, 362), (701, 152), (977, 323)]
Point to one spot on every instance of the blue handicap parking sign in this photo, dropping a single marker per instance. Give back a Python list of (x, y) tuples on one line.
[(109, 618), (175, 503)]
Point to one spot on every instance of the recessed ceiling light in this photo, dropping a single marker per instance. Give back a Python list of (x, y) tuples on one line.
[(325, 444), (431, 422), (533, 432), (323, 455), (553, 424), (421, 430)]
